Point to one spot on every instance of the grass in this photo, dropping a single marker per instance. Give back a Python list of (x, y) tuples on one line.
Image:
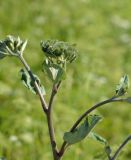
[(101, 30)]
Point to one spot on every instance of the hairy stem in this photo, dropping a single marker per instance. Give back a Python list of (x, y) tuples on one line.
[(113, 99), (43, 102), (121, 147)]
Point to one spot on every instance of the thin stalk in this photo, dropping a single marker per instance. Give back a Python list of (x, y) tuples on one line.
[(109, 157), (52, 136), (43, 102), (47, 110), (121, 147), (50, 122), (53, 93), (113, 99)]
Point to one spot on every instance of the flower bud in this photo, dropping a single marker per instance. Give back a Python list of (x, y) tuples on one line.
[(59, 50), (12, 46)]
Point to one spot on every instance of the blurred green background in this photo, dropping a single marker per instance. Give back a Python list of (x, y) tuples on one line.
[(102, 31)]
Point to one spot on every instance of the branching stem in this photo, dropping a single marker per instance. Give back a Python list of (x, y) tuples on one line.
[(113, 99), (43, 102), (46, 109)]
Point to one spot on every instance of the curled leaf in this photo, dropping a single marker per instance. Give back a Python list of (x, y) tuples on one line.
[(29, 83), (83, 130), (54, 71), (98, 138), (123, 86)]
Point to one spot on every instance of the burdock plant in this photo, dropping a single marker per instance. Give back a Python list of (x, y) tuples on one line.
[(57, 56)]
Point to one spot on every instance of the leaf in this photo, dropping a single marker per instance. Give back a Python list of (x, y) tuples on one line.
[(29, 83), (98, 138), (123, 86), (102, 140), (83, 130), (54, 71), (23, 46), (2, 50)]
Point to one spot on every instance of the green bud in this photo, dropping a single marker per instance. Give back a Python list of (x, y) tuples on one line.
[(59, 50), (123, 86), (12, 46)]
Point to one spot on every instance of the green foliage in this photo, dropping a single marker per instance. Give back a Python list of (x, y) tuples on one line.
[(12, 46), (54, 71), (123, 86), (60, 51), (102, 140), (83, 130), (98, 138), (58, 54), (29, 83), (100, 28)]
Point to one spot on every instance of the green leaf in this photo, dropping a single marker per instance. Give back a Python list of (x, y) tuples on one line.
[(29, 83), (23, 46), (98, 138), (102, 140), (83, 130), (54, 71), (123, 86), (2, 50)]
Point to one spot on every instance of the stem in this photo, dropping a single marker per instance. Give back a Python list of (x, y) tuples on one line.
[(121, 147), (53, 93), (52, 137), (113, 99), (50, 122), (109, 157), (43, 102), (89, 111), (47, 110)]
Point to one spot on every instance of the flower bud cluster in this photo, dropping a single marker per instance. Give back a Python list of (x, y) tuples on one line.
[(58, 50), (12, 46)]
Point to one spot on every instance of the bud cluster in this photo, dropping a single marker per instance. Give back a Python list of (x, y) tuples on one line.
[(58, 54), (58, 50), (12, 46)]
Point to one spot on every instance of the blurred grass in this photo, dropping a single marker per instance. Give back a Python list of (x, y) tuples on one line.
[(101, 30)]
